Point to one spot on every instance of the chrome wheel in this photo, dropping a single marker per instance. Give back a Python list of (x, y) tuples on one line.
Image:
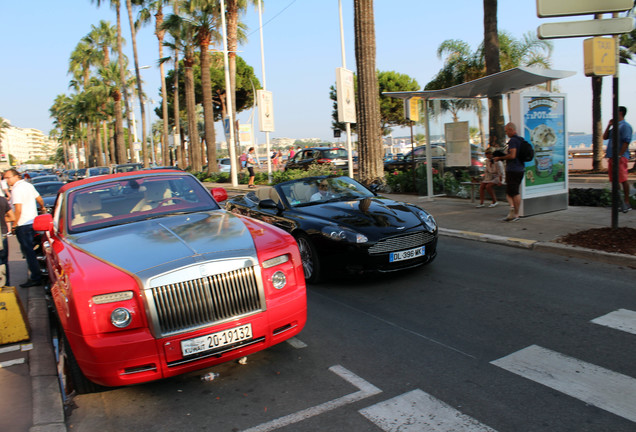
[(309, 257)]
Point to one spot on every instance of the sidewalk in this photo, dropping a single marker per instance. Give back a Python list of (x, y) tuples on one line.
[(455, 217)]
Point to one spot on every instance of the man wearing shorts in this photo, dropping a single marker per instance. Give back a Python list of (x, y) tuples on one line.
[(514, 172), (624, 138)]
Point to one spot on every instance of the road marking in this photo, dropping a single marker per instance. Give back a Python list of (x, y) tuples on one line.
[(592, 384), (417, 411), (621, 319), (296, 343), (365, 390), (16, 347), (6, 364)]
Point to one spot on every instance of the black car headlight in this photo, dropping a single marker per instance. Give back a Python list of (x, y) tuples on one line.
[(427, 220), (343, 234)]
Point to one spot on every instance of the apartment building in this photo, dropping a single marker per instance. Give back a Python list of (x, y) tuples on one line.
[(25, 144)]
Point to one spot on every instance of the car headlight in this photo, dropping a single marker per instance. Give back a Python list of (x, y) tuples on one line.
[(427, 219), (279, 280), (120, 317), (343, 234)]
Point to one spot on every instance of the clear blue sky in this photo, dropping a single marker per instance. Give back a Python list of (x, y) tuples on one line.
[(302, 50)]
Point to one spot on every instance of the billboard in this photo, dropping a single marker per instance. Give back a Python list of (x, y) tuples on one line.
[(543, 118)]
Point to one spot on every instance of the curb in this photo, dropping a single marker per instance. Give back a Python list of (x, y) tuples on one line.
[(549, 247), (48, 409)]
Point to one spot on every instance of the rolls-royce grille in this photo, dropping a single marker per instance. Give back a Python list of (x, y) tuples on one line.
[(407, 241), (186, 305)]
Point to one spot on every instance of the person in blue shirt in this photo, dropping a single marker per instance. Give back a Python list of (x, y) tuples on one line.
[(515, 169), (624, 139)]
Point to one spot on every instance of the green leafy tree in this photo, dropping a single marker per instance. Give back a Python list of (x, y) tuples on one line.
[(391, 109)]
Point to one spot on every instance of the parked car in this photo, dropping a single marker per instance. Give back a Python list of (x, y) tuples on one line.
[(150, 278), (127, 167), (44, 178), (79, 174), (351, 229), (318, 155), (48, 191), (225, 165), (68, 175), (97, 171), (438, 156)]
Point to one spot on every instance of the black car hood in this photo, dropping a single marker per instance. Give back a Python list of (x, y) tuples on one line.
[(368, 215)]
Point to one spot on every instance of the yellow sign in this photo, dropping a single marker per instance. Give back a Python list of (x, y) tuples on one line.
[(599, 55), (14, 326), (412, 109)]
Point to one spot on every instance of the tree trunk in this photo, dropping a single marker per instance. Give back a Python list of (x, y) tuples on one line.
[(232, 44), (142, 104), (491, 56), (368, 104), (193, 133), (165, 149), (119, 120), (177, 117), (597, 124), (208, 110)]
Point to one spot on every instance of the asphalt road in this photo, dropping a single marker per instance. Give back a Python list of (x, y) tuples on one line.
[(485, 338)]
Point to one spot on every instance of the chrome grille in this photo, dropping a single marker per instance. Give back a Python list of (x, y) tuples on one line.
[(187, 305), (407, 241)]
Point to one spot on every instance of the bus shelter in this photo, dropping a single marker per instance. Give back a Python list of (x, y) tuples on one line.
[(540, 119)]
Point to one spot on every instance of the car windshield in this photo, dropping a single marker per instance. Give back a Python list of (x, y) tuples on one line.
[(134, 199), (47, 189), (98, 171), (334, 154), (127, 168), (45, 178), (316, 190)]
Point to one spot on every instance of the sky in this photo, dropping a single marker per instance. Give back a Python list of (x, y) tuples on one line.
[(302, 49)]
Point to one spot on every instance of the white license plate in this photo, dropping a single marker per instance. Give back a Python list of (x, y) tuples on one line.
[(216, 340), (406, 254)]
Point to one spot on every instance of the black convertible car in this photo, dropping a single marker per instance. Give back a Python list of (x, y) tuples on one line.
[(341, 225)]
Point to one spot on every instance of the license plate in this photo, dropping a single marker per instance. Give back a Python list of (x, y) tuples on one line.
[(406, 254), (216, 340)]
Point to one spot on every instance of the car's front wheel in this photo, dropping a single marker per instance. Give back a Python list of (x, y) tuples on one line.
[(309, 257), (72, 380)]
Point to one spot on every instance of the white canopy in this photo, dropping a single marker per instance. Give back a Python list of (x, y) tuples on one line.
[(491, 85)]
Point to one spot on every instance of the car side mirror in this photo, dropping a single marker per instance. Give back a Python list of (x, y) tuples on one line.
[(43, 222), (269, 204), (219, 194)]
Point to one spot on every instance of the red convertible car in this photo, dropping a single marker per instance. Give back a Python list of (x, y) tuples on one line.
[(150, 278)]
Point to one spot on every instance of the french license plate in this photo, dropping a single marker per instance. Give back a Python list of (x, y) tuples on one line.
[(406, 254), (216, 340)]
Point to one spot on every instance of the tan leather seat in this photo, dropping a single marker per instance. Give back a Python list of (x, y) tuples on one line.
[(155, 193), (88, 208)]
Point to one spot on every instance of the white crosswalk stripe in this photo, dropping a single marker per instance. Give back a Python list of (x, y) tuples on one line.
[(621, 319), (418, 411), (592, 384)]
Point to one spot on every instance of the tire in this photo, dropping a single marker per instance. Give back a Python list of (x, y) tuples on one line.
[(309, 257), (72, 380)]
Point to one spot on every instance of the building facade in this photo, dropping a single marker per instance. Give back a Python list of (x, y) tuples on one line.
[(25, 144)]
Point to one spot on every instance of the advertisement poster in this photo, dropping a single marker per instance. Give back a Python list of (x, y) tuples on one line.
[(544, 128)]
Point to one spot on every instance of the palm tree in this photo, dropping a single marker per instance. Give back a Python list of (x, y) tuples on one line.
[(491, 57), (367, 104), (140, 92), (204, 17), (119, 123), (185, 31), (148, 8), (3, 126)]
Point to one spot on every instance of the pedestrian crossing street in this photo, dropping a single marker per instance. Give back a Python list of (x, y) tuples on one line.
[(589, 383)]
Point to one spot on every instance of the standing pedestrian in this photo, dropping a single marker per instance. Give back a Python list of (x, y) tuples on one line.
[(514, 172), (252, 161), (6, 217), (25, 199), (624, 139)]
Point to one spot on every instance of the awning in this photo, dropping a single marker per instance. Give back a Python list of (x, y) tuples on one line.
[(491, 85)]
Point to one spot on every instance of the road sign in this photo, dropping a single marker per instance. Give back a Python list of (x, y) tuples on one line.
[(598, 27), (599, 56), (556, 8)]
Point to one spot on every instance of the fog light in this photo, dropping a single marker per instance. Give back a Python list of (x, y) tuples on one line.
[(279, 280), (120, 317)]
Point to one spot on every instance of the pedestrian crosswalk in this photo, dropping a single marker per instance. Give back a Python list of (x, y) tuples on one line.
[(589, 383)]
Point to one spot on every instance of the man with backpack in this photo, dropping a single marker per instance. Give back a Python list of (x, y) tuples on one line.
[(515, 169)]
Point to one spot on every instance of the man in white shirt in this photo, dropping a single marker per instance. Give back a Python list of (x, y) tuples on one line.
[(24, 197)]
